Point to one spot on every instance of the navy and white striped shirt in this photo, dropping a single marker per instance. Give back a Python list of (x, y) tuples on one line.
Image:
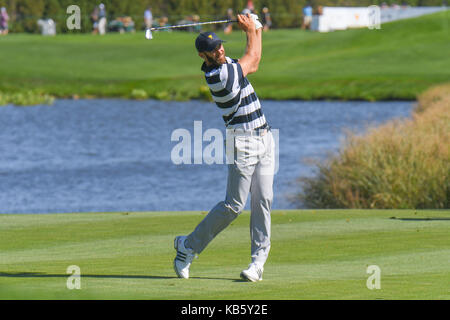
[(235, 96)]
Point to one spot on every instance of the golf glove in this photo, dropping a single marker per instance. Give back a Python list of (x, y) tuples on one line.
[(255, 18)]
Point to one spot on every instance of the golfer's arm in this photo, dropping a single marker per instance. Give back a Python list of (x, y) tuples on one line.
[(250, 61)]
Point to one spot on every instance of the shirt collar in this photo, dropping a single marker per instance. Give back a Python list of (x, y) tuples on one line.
[(206, 68), (210, 68)]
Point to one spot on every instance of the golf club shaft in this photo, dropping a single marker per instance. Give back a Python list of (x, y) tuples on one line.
[(192, 24)]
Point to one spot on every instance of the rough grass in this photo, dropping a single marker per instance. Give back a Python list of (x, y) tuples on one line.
[(401, 164), (321, 254), (397, 62)]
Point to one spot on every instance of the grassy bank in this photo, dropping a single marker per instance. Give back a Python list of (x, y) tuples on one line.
[(315, 255), (397, 62), (25, 98), (401, 164)]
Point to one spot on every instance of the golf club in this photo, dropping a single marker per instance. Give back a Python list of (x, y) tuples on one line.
[(149, 36)]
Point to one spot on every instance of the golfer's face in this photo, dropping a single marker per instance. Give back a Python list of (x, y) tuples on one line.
[(217, 56)]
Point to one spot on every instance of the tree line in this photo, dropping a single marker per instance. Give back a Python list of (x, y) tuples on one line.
[(285, 13)]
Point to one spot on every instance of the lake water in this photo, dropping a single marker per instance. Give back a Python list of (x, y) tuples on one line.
[(110, 155)]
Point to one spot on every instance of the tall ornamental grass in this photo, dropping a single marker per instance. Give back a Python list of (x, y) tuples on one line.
[(401, 164)]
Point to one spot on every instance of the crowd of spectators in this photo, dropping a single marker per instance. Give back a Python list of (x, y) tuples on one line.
[(124, 23)]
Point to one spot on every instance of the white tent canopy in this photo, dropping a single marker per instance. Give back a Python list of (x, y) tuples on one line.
[(342, 18)]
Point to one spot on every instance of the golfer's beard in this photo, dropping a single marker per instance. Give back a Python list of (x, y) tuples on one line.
[(213, 61)]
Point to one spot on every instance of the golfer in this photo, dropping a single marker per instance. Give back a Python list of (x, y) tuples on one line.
[(251, 166)]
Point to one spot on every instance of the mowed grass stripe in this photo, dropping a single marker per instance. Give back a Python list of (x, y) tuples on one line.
[(130, 256), (425, 286), (88, 227), (282, 281), (31, 220), (44, 230), (9, 221), (88, 230)]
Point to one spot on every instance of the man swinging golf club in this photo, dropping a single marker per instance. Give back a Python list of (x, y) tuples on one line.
[(251, 168)]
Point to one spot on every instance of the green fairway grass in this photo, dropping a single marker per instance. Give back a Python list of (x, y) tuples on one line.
[(397, 62), (321, 254)]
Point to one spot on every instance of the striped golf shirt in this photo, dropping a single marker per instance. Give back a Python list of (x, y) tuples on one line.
[(235, 96)]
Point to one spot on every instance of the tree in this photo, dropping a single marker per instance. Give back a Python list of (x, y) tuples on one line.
[(28, 12)]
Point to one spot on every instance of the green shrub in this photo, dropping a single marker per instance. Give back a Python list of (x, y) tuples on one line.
[(27, 98), (139, 94), (204, 93)]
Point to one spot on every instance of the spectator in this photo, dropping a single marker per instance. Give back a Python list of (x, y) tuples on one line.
[(266, 19), (250, 6), (188, 22), (116, 25), (307, 17), (148, 18), (320, 10), (94, 20), (121, 25), (162, 22), (128, 24), (196, 19), (229, 26), (102, 19), (4, 18)]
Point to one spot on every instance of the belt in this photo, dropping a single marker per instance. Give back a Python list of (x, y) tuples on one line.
[(256, 133)]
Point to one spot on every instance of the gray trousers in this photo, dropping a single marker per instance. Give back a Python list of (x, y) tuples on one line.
[(250, 170)]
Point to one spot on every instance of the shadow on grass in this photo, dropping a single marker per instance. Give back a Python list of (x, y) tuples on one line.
[(98, 276), (420, 219)]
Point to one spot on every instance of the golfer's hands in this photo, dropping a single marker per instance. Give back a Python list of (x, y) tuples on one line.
[(250, 61), (255, 19), (246, 23)]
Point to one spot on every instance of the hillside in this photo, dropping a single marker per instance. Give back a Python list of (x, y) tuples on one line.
[(397, 62)]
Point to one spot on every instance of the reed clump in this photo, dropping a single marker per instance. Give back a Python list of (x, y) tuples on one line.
[(401, 164)]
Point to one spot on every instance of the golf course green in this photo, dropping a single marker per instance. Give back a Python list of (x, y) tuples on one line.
[(323, 254), (397, 62), (315, 254)]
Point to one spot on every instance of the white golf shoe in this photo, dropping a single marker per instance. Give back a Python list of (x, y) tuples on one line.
[(253, 273), (183, 260)]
